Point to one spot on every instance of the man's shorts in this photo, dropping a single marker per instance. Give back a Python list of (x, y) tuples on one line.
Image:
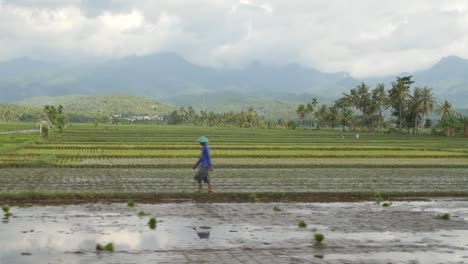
[(202, 175)]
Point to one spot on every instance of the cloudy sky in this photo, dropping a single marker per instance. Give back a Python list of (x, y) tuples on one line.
[(362, 37)]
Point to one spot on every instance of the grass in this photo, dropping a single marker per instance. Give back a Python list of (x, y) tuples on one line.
[(378, 197), (276, 209), (130, 203), (253, 198)]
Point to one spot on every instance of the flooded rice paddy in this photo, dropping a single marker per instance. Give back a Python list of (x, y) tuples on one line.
[(405, 232), (80, 180)]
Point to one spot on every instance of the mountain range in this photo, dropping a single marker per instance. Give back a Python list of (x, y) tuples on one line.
[(172, 79)]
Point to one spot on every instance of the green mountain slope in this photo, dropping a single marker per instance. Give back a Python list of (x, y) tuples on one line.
[(106, 104)]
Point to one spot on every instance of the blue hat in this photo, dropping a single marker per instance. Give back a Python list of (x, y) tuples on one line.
[(202, 139)]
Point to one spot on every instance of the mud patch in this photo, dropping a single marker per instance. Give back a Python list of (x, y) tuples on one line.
[(406, 232)]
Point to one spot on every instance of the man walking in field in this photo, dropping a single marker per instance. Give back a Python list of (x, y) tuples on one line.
[(206, 166)]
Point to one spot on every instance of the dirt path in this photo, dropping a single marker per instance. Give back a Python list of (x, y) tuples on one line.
[(21, 132)]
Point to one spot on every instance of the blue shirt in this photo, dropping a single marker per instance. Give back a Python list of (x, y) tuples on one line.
[(205, 158)]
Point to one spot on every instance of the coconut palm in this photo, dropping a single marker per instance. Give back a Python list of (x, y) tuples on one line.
[(352, 99), (380, 101), (398, 95), (301, 111), (416, 107), (363, 101), (444, 109), (321, 115), (428, 102), (310, 107)]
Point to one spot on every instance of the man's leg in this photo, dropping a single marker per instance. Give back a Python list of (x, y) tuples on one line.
[(200, 186), (209, 186)]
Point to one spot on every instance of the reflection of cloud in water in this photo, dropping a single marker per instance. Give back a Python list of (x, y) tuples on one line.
[(44, 236), (61, 232), (125, 240)]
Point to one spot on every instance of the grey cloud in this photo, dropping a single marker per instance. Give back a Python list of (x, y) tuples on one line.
[(364, 37)]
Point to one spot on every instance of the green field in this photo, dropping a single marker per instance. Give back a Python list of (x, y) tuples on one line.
[(131, 159)]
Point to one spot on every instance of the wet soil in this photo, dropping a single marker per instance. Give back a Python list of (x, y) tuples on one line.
[(364, 232), (308, 185)]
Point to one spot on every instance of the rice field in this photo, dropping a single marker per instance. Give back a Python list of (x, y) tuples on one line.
[(134, 159)]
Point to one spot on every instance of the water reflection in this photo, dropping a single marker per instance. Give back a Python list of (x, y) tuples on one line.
[(69, 234), (203, 232)]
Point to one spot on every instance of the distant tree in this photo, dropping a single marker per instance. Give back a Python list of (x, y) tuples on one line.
[(444, 109), (310, 107), (428, 102), (174, 118), (380, 102), (50, 113), (301, 111), (363, 102), (352, 100), (60, 119), (321, 116), (450, 124), (464, 121), (251, 116), (398, 96), (344, 113), (55, 116), (416, 107)]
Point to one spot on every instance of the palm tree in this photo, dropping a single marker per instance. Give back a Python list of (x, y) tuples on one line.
[(301, 111), (352, 99), (450, 124), (321, 115), (363, 100), (444, 109), (380, 101), (416, 107), (398, 95), (448, 120), (50, 112), (428, 101), (251, 116), (310, 107)]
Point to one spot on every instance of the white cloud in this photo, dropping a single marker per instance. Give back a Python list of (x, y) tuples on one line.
[(363, 37)]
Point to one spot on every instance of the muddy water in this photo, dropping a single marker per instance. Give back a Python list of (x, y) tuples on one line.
[(406, 232)]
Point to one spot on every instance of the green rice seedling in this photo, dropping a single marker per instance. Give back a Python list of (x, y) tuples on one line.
[(143, 213), (6, 209), (302, 224), (131, 203), (253, 198), (107, 247), (276, 208), (152, 223), (386, 204), (378, 197), (319, 237), (445, 216)]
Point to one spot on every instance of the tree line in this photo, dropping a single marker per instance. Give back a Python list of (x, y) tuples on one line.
[(364, 108)]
